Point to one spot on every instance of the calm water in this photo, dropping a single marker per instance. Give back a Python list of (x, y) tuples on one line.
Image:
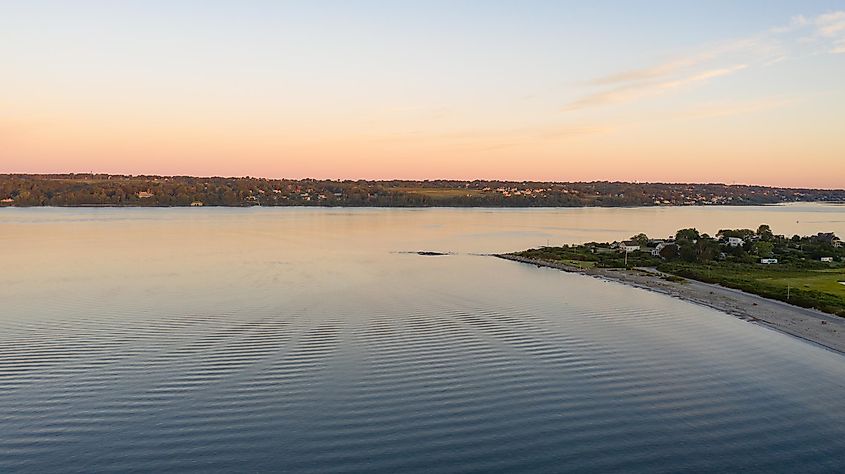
[(307, 340)]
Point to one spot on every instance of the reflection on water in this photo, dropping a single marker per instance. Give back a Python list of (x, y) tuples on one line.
[(311, 339)]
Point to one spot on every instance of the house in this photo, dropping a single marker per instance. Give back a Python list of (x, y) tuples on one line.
[(656, 250), (629, 246), (836, 243), (735, 241), (145, 194), (826, 259), (196, 204), (7, 201), (768, 261)]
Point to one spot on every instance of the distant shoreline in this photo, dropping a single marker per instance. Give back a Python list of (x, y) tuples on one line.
[(811, 325), (87, 189), (432, 206)]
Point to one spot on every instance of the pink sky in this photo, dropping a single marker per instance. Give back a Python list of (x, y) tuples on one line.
[(543, 94)]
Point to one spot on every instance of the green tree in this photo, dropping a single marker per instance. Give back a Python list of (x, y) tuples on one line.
[(743, 234), (763, 249), (687, 234), (640, 239), (765, 233), (706, 249), (669, 252)]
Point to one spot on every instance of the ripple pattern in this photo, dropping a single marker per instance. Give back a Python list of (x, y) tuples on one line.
[(513, 369)]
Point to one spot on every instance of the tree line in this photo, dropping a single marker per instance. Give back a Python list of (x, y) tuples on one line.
[(127, 190)]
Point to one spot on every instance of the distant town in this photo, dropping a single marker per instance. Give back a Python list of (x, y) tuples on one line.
[(155, 191)]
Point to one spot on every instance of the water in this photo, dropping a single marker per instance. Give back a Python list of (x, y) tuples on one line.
[(309, 340)]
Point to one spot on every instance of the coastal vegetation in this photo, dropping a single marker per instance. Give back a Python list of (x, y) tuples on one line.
[(152, 191), (805, 271)]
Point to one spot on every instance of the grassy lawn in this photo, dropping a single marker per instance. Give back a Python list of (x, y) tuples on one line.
[(440, 193), (820, 280), (583, 264), (810, 288)]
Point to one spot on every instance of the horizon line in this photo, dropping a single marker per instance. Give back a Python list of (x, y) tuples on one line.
[(94, 173)]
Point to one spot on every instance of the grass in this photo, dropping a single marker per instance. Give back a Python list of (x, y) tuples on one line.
[(809, 288), (583, 264), (440, 193), (819, 280)]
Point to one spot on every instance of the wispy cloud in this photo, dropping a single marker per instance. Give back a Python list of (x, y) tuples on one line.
[(795, 23), (827, 29), (641, 90), (831, 26), (764, 49), (653, 72), (679, 65)]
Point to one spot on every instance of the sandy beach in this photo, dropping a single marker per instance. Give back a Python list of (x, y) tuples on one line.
[(820, 328)]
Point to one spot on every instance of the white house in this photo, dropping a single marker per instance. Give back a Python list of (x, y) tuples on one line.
[(735, 241), (656, 250), (826, 259), (629, 246), (768, 261)]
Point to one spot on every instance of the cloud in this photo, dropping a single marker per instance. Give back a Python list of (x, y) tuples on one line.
[(756, 46), (640, 90), (765, 49), (828, 29), (645, 73), (796, 23), (831, 24)]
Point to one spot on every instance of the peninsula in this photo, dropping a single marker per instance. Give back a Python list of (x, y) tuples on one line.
[(67, 190), (792, 284)]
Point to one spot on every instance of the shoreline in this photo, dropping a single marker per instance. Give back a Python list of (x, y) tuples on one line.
[(822, 329), (430, 206)]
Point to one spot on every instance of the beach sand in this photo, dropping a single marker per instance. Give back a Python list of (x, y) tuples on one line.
[(820, 328)]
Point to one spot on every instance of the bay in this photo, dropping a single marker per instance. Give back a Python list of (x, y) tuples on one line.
[(317, 340)]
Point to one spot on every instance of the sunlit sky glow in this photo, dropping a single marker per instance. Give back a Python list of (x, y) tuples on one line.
[(725, 91)]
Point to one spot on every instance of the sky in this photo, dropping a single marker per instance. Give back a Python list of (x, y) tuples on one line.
[(672, 91)]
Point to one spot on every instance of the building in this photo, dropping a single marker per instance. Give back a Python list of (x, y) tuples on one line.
[(826, 259), (656, 250), (7, 201), (768, 261), (629, 246), (196, 204), (735, 241), (145, 194)]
